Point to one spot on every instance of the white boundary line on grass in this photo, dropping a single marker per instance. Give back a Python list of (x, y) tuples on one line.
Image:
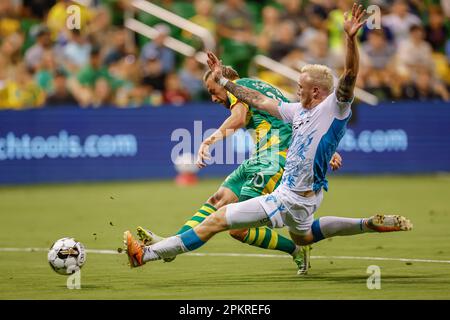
[(248, 255)]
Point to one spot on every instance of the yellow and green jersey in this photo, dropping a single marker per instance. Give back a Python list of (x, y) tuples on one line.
[(269, 133)]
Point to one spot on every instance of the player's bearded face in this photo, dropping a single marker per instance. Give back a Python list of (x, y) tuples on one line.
[(218, 93)]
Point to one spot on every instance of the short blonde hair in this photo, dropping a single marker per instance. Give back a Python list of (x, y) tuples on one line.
[(320, 75)]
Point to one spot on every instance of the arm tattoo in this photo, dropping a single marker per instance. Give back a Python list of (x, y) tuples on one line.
[(345, 87), (344, 92), (246, 95)]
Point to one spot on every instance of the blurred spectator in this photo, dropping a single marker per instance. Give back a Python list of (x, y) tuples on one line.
[(10, 48), (437, 32), (400, 20), (103, 94), (204, 18), (126, 71), (119, 48), (318, 52), (154, 75), (9, 20), (45, 71), (203, 15), (317, 22), (34, 54), (175, 93), (20, 91), (165, 55), (4, 73), (269, 30), (37, 9), (294, 13), (425, 87), (378, 51), (191, 76), (335, 23), (235, 31), (83, 86), (93, 70), (284, 43), (99, 22), (77, 51), (378, 83), (139, 96), (234, 21), (325, 5), (445, 4), (414, 51), (60, 95)]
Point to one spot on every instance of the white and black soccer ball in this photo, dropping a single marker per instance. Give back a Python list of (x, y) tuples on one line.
[(66, 256)]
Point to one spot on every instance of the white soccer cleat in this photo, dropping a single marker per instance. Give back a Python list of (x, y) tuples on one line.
[(389, 223)]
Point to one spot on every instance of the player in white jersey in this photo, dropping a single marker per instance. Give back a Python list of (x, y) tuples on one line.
[(319, 121)]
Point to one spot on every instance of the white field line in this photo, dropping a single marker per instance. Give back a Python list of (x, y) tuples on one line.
[(248, 255)]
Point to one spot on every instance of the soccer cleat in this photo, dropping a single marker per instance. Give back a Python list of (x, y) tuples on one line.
[(389, 223), (134, 250), (302, 259), (149, 238)]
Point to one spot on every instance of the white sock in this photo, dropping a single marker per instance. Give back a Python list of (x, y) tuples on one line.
[(337, 226), (167, 248)]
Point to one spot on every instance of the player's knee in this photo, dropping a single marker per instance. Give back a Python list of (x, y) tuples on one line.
[(239, 234)]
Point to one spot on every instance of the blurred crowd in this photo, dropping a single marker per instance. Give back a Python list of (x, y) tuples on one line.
[(43, 62)]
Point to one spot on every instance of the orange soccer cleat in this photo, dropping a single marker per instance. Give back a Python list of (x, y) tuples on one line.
[(389, 223), (134, 250)]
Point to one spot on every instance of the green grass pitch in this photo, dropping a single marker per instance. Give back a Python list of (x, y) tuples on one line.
[(97, 215)]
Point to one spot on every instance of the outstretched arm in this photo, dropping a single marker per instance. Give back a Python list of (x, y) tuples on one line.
[(346, 85), (243, 94)]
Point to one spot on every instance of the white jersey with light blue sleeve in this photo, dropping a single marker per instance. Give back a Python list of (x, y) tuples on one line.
[(316, 135)]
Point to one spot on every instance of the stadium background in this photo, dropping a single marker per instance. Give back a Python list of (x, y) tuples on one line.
[(105, 65), (102, 103)]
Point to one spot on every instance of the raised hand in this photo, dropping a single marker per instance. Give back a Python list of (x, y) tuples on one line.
[(352, 25), (215, 65)]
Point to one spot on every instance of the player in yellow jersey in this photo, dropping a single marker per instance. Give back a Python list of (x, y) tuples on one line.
[(256, 176)]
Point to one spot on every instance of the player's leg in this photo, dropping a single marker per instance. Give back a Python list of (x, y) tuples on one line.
[(327, 227), (240, 215)]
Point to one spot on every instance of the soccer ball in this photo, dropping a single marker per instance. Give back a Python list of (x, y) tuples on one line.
[(66, 256)]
